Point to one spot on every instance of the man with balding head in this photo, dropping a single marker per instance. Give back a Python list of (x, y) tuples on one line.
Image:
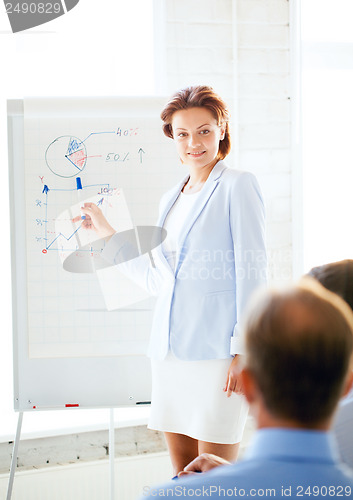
[(298, 364)]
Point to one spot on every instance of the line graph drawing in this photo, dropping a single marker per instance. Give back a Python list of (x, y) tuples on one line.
[(70, 233), (67, 238), (80, 250)]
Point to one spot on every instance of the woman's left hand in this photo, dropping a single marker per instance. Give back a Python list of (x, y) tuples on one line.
[(234, 381)]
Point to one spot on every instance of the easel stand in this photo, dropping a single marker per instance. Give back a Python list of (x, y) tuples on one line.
[(111, 455), (14, 455)]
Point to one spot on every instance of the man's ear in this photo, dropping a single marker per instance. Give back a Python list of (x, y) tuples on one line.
[(249, 385), (348, 385)]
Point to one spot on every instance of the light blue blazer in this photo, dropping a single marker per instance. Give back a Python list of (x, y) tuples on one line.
[(220, 261)]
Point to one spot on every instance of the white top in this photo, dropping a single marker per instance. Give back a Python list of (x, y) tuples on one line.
[(174, 224)]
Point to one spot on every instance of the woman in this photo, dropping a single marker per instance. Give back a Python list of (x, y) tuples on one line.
[(203, 273)]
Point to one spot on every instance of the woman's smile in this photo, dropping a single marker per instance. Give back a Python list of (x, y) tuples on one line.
[(196, 154)]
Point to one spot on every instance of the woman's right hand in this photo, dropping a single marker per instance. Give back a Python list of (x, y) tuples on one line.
[(95, 220)]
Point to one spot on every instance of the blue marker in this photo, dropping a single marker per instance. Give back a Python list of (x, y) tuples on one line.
[(79, 188)]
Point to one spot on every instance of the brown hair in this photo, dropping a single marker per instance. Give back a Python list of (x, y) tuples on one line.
[(299, 346), (200, 96), (337, 277)]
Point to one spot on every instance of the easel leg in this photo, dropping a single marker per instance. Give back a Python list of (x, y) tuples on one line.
[(112, 454), (14, 456)]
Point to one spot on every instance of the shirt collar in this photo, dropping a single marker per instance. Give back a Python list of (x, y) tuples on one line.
[(293, 444)]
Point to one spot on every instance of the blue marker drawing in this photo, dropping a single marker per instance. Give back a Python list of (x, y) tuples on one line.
[(63, 235), (96, 133), (73, 146), (66, 156), (44, 221)]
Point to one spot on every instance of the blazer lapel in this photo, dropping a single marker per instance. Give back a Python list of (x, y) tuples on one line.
[(205, 194), (170, 202), (172, 199)]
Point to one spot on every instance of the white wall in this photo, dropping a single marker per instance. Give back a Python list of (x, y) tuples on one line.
[(247, 63)]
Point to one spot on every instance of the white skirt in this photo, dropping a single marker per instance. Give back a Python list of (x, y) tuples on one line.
[(188, 398)]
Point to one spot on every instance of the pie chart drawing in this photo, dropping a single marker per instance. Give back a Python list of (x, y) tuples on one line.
[(66, 156)]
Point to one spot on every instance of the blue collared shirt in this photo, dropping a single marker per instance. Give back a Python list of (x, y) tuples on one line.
[(279, 463)]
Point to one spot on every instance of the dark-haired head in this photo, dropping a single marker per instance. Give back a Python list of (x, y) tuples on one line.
[(337, 277)]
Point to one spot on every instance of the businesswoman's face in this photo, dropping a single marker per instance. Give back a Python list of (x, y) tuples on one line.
[(197, 135)]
